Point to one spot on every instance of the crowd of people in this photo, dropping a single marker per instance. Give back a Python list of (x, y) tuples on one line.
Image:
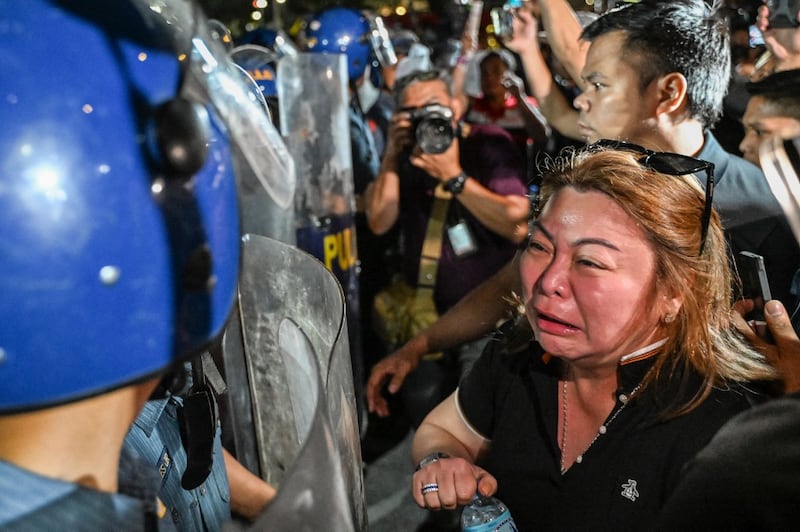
[(546, 417), (548, 232)]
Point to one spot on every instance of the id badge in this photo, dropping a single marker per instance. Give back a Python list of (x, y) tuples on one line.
[(461, 239)]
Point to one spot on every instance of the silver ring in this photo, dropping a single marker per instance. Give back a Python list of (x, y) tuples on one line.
[(429, 488)]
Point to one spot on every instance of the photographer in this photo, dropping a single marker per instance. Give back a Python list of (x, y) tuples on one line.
[(479, 168)]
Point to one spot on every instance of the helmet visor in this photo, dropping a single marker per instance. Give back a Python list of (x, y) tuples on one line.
[(210, 76)]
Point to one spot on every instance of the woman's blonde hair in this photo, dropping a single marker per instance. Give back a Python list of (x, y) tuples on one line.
[(669, 210)]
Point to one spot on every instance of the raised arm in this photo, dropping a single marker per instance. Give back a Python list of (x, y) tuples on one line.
[(552, 103), (564, 36), (382, 196)]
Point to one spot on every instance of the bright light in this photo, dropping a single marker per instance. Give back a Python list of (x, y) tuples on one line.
[(256, 15), (210, 62), (46, 181), (400, 11), (259, 4), (280, 1)]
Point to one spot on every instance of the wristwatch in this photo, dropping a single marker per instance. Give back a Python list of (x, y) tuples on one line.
[(431, 458), (455, 184)]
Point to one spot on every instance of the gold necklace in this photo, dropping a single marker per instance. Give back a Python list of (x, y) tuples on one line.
[(623, 399)]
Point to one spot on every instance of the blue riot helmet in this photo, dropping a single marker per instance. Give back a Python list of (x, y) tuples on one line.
[(353, 33), (260, 64), (275, 40), (120, 245)]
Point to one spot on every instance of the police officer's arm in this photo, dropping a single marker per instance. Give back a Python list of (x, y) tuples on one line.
[(249, 493), (552, 103)]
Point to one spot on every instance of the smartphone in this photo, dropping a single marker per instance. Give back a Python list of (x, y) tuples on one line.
[(756, 38), (754, 282)]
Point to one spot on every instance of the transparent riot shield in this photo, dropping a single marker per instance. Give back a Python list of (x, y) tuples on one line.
[(313, 95), (262, 213), (302, 403)]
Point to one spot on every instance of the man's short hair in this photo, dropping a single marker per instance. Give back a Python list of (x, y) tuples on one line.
[(684, 36), (783, 83), (779, 92), (401, 84)]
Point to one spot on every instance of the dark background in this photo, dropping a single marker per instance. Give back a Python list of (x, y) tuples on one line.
[(446, 16)]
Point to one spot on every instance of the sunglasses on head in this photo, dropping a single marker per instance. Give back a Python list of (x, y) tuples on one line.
[(670, 164)]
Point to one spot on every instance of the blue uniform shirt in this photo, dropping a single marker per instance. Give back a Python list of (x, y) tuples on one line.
[(31, 502), (155, 435)]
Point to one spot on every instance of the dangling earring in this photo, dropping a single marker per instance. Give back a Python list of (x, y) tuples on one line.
[(669, 318)]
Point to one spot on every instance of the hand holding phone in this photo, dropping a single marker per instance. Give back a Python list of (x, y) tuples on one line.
[(754, 282)]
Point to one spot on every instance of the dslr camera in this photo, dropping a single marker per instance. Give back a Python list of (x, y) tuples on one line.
[(503, 19), (433, 127)]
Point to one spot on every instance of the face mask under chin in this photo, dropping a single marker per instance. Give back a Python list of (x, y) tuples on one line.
[(367, 93)]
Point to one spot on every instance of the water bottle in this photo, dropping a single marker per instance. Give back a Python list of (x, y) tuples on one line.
[(487, 514)]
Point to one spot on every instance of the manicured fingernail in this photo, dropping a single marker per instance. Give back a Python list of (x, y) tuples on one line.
[(774, 308)]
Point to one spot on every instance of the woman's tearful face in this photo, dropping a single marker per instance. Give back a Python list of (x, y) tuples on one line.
[(588, 279)]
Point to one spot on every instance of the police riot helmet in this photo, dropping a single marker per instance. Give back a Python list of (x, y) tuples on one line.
[(260, 63), (275, 40), (120, 245), (351, 32)]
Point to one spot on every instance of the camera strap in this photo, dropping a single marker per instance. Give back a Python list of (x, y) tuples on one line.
[(432, 246)]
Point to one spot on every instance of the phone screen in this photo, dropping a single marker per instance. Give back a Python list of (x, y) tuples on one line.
[(756, 38)]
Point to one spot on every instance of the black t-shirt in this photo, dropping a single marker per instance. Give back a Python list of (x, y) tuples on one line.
[(626, 475)]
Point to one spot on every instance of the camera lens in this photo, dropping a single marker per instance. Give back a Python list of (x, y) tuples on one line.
[(434, 134)]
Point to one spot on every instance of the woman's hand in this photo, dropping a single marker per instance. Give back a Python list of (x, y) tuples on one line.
[(783, 350), (450, 482)]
